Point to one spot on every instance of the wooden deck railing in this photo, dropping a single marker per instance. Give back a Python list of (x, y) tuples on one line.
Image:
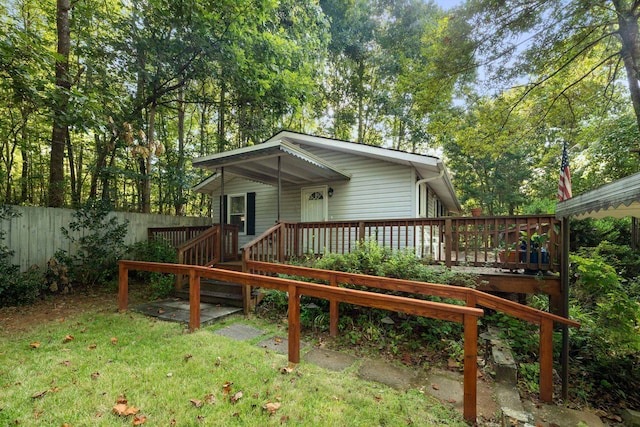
[(176, 235), (468, 316), (517, 242), (472, 297)]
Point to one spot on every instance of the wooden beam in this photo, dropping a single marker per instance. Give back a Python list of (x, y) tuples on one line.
[(194, 300), (520, 283), (546, 360), (470, 367), (123, 287), (294, 324)]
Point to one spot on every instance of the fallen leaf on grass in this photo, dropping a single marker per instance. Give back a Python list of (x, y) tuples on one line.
[(95, 375), (92, 347), (210, 399), (139, 420), (236, 397), (272, 407), (124, 411), (39, 394), (34, 344), (226, 387), (114, 340), (435, 386), (195, 402), (286, 370), (68, 338), (186, 357), (278, 340)]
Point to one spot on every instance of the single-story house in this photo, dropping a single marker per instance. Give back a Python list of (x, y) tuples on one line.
[(297, 177)]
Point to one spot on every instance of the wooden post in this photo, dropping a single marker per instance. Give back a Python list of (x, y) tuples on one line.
[(448, 242), (194, 300), (564, 286), (333, 310), (294, 325), (470, 367), (546, 360), (123, 287)]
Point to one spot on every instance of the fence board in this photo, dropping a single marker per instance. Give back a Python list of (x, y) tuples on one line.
[(36, 235)]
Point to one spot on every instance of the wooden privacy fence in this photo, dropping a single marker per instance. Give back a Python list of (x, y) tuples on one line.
[(516, 242), (472, 297), (468, 316)]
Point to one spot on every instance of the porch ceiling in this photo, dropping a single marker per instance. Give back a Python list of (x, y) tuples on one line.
[(618, 199), (260, 163)]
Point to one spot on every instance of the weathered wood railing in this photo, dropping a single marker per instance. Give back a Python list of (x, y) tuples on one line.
[(472, 297), (468, 316), (176, 235), (515, 242)]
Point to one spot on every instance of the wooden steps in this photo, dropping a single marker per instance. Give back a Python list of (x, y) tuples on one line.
[(216, 292)]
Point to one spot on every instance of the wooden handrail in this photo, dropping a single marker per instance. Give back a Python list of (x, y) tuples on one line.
[(468, 316), (472, 297)]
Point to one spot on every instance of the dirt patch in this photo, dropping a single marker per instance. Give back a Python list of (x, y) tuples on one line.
[(60, 308)]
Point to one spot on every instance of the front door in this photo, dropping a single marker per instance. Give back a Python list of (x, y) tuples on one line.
[(314, 208)]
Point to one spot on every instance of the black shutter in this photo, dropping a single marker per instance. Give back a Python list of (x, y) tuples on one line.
[(224, 208), (251, 214)]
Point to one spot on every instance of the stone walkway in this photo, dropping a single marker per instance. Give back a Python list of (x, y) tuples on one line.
[(446, 386)]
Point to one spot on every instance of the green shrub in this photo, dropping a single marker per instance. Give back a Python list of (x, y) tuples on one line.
[(16, 288), (380, 329), (99, 247), (155, 250), (606, 348)]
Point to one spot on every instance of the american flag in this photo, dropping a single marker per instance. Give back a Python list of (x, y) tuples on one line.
[(564, 186)]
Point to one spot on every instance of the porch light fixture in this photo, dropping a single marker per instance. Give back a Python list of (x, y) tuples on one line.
[(330, 192)]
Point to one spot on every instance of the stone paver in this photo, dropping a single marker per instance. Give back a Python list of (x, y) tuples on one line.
[(448, 387), (239, 332), (278, 345), (178, 311), (329, 359), (394, 376)]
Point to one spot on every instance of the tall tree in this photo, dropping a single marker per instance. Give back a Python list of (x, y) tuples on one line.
[(61, 105), (539, 44)]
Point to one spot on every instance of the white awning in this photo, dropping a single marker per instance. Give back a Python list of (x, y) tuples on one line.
[(618, 199)]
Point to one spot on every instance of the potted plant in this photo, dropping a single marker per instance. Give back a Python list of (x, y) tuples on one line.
[(536, 244), (508, 253)]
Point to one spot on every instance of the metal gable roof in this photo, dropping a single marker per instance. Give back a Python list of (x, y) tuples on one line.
[(618, 199), (260, 163)]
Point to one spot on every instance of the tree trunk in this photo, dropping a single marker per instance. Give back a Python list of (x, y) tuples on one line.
[(146, 173), (178, 203), (628, 32), (61, 104)]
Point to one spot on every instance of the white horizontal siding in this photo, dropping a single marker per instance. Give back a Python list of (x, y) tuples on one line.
[(377, 189)]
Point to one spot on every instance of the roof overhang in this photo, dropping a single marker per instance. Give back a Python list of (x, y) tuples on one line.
[(259, 163), (618, 199)]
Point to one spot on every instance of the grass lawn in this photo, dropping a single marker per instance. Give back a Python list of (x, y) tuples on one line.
[(74, 372)]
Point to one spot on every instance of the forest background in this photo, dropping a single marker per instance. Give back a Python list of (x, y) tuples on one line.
[(111, 99)]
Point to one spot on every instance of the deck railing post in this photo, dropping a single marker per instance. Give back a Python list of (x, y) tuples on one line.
[(123, 287), (546, 360), (448, 241), (294, 324), (194, 299), (470, 366)]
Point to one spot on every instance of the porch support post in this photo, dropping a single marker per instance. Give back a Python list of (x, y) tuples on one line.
[(222, 215), (564, 286), (279, 184)]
